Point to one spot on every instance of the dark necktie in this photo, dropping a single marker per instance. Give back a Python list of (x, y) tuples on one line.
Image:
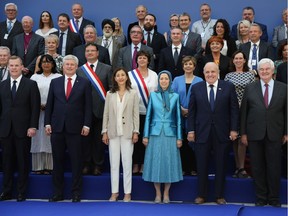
[(254, 57), (134, 62), (176, 55), (1, 73), (77, 23), (148, 39), (69, 87), (92, 66), (60, 43), (13, 90), (266, 95), (211, 98), (106, 43)]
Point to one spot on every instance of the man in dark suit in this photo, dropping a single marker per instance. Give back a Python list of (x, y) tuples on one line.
[(191, 39), (167, 59), (212, 125), (78, 22), (94, 148), (90, 36), (10, 27), (264, 128), (126, 54), (248, 13), (152, 38), (69, 39), (28, 46), (68, 118), (141, 12), (19, 114), (262, 49)]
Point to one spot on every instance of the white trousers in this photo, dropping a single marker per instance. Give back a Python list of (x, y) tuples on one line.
[(120, 146)]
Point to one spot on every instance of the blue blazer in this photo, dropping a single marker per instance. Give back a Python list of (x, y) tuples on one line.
[(224, 117), (158, 118), (71, 114), (179, 86)]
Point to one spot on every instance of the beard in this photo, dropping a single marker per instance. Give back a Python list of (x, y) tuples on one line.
[(108, 34), (148, 27)]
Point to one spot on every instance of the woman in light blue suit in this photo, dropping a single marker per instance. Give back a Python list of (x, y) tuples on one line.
[(163, 137), (182, 85)]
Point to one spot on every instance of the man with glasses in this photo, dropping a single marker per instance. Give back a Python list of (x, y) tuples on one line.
[(10, 27), (127, 54)]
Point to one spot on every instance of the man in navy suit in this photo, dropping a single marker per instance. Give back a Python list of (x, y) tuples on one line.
[(212, 125), (264, 129), (67, 118), (78, 22), (248, 13), (10, 27), (19, 114)]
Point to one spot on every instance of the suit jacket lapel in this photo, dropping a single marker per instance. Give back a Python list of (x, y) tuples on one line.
[(20, 88), (259, 92), (74, 88), (274, 93)]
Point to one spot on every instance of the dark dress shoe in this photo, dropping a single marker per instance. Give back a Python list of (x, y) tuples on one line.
[(275, 204), (97, 171), (21, 198), (56, 198), (260, 203), (76, 198), (221, 201), (85, 170), (199, 200), (5, 196)]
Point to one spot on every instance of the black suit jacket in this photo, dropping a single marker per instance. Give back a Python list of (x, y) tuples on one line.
[(166, 60), (264, 36), (17, 29), (103, 57), (265, 50), (35, 48), (157, 44), (72, 113), (257, 121), (282, 73), (129, 28), (23, 112), (224, 65), (73, 40)]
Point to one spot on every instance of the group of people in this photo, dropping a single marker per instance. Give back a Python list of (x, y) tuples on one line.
[(162, 103)]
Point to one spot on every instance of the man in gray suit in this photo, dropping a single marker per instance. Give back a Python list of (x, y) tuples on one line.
[(28, 46), (264, 127), (280, 32), (99, 75), (190, 39), (108, 41), (125, 58)]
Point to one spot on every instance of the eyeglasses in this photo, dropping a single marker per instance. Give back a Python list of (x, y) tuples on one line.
[(10, 10), (135, 32)]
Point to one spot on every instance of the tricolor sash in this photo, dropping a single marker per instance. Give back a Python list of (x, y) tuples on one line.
[(73, 26), (143, 90), (94, 79)]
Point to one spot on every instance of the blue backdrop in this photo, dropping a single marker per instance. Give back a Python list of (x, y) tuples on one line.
[(267, 11)]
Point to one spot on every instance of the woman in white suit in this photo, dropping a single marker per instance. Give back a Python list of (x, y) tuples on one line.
[(120, 130)]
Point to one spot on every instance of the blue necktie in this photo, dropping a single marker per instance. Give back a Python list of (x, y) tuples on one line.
[(9, 27), (13, 90), (60, 43), (254, 57), (211, 98)]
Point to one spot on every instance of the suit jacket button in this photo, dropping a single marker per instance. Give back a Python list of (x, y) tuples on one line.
[(123, 122)]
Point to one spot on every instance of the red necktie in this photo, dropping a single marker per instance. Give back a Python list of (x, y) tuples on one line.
[(69, 88), (266, 95)]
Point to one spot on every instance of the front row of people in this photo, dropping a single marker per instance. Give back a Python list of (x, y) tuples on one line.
[(211, 122)]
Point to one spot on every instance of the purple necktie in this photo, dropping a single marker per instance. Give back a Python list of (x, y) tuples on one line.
[(134, 63)]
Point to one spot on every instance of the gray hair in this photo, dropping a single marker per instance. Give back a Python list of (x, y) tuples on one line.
[(70, 57), (90, 26), (6, 49), (256, 25), (266, 61), (11, 4), (53, 37)]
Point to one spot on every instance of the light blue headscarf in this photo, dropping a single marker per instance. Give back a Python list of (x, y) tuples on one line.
[(165, 94)]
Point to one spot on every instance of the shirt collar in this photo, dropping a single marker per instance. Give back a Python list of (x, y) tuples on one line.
[(179, 46), (214, 84), (73, 77), (18, 79), (257, 43), (13, 21)]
